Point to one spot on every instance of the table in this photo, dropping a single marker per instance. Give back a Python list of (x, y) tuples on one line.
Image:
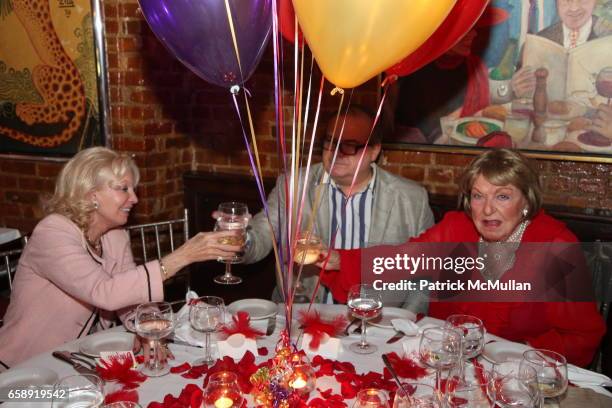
[(154, 389)]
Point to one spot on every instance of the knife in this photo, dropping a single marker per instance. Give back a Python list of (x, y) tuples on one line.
[(271, 325), (174, 340), (77, 366), (397, 336)]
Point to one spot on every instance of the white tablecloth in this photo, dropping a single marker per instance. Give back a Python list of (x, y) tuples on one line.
[(154, 389)]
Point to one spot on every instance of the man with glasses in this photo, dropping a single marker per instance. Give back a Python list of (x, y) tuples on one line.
[(378, 208)]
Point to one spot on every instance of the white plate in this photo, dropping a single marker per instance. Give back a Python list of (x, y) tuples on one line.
[(110, 341), (257, 308), (390, 313), (28, 376), (473, 140), (500, 351)]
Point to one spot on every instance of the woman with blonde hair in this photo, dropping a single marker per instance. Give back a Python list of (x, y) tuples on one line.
[(501, 200), (77, 271)]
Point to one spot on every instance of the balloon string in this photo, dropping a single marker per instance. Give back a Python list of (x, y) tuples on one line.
[(233, 32)]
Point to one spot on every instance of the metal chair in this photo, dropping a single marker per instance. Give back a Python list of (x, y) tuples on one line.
[(8, 265), (159, 238)]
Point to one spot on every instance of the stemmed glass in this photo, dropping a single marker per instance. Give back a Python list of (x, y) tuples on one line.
[(85, 390), (307, 249), (154, 321), (466, 386), (365, 303), (222, 391), (206, 315), (551, 369), (603, 83), (440, 348), (473, 333), (371, 398), (414, 395), (232, 216), (512, 384)]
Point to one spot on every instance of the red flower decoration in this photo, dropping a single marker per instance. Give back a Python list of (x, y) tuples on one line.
[(120, 368), (242, 325), (121, 395), (243, 369), (262, 351), (405, 367), (180, 368), (314, 325)]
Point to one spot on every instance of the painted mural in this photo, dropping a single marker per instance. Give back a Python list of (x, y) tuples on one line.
[(48, 86), (538, 70)]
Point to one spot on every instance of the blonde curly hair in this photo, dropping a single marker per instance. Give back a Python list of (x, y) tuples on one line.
[(87, 171)]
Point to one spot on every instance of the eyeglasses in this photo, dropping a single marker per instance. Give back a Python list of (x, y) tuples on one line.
[(348, 148), (569, 2)]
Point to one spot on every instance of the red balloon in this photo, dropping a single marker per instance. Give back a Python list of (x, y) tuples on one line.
[(460, 20), (286, 21)]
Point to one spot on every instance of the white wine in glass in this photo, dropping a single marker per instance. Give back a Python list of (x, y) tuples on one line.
[(233, 216)]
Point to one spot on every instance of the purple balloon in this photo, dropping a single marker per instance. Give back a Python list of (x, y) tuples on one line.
[(198, 33)]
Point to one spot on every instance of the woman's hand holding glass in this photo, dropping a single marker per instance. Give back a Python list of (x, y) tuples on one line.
[(232, 216), (154, 321), (207, 315)]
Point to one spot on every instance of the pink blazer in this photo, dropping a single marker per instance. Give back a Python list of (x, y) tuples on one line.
[(60, 288)]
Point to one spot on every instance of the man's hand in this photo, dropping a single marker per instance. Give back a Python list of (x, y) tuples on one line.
[(602, 123), (333, 264), (523, 82)]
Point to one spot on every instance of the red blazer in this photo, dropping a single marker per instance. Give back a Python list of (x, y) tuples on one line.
[(573, 329)]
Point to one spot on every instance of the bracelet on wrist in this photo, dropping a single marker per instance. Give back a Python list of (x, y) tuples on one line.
[(163, 269)]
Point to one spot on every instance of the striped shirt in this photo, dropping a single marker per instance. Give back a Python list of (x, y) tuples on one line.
[(352, 220)]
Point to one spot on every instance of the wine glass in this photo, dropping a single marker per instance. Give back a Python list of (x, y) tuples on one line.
[(206, 315), (551, 369), (307, 249), (222, 391), (84, 390), (512, 384), (122, 404), (466, 386), (415, 395), (371, 398), (603, 83), (232, 216), (440, 348), (365, 303), (154, 321), (473, 333)]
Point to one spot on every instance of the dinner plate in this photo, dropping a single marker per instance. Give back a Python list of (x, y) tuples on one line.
[(458, 133), (257, 308), (573, 137), (110, 341), (28, 376), (500, 351), (390, 313)]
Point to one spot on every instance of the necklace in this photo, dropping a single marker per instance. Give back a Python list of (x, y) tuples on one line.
[(500, 256), (96, 246)]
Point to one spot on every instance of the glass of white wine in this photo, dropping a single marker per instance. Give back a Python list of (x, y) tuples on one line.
[(154, 321), (551, 368), (232, 216), (365, 303)]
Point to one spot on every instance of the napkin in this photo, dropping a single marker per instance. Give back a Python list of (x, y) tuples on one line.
[(182, 329), (328, 347), (408, 327), (236, 345), (584, 378)]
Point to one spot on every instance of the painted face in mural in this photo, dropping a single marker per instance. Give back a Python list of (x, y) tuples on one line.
[(575, 13)]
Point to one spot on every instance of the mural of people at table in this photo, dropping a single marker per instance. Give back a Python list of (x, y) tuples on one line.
[(49, 100), (570, 38)]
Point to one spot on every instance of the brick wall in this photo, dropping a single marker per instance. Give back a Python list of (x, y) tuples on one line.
[(172, 121)]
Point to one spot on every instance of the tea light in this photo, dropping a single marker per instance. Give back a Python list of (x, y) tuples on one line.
[(224, 402), (302, 378)]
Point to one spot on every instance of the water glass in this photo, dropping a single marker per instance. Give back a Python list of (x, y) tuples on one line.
[(371, 398), (551, 369), (440, 348), (473, 333), (415, 395), (206, 315), (81, 391), (154, 321), (234, 216), (365, 303), (466, 386), (512, 384)]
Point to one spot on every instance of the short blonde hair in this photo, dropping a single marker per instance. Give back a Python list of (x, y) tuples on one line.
[(86, 172), (502, 167)]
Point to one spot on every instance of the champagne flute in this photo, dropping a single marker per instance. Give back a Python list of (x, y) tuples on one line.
[(365, 303), (154, 321), (223, 391), (78, 391), (232, 216), (371, 398), (603, 83), (512, 384), (551, 369), (415, 395), (440, 348), (206, 315), (473, 333)]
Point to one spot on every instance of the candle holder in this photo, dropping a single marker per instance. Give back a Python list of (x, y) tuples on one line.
[(223, 391), (302, 379)]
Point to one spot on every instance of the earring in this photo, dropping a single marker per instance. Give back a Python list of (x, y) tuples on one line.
[(525, 212), (96, 205)]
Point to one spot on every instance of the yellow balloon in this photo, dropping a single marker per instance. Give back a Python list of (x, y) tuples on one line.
[(354, 40)]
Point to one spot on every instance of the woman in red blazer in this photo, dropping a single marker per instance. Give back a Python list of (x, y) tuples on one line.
[(501, 200), (77, 267)]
